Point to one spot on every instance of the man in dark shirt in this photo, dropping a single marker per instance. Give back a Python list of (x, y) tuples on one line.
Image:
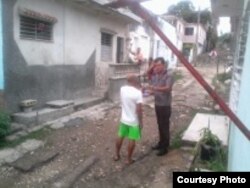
[(161, 87)]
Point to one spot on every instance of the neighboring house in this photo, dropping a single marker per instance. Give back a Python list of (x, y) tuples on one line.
[(239, 145), (179, 26), (151, 45), (190, 34), (194, 34), (60, 49)]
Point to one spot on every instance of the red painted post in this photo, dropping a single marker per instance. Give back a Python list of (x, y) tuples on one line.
[(141, 12)]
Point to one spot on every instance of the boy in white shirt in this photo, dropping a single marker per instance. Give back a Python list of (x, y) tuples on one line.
[(131, 119)]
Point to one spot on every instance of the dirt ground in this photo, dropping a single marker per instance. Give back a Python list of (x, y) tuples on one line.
[(97, 138)]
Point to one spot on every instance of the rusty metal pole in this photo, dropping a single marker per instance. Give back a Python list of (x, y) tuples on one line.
[(141, 12)]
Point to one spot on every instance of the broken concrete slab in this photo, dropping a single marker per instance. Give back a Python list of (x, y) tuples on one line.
[(9, 155), (32, 160), (74, 122), (42, 116), (69, 179), (17, 135), (59, 103), (16, 127), (29, 145), (57, 125), (218, 125)]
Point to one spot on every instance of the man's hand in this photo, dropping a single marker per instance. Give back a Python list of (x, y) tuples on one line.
[(150, 87)]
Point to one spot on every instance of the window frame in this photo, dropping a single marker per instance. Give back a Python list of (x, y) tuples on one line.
[(189, 29), (105, 43), (26, 21)]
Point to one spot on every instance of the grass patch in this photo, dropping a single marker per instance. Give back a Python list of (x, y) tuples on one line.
[(176, 142), (221, 78), (177, 76), (38, 135)]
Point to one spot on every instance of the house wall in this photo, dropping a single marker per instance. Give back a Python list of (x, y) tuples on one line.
[(70, 66), (160, 48), (239, 145), (192, 39)]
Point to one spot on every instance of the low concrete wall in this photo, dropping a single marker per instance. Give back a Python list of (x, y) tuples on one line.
[(114, 88)]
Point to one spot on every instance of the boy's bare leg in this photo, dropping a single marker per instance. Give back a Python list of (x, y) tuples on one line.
[(119, 142), (131, 147)]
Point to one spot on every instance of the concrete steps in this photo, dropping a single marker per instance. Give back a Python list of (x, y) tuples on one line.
[(54, 110)]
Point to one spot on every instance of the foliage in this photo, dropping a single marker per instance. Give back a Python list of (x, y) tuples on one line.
[(4, 124), (186, 10), (222, 77), (38, 135), (211, 39), (210, 139), (225, 39), (176, 143)]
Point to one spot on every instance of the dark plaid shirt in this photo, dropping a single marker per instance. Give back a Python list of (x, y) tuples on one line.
[(162, 80)]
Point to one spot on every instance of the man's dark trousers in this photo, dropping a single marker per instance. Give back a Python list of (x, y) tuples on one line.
[(163, 114)]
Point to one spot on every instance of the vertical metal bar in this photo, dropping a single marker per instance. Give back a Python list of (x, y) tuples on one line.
[(136, 8)]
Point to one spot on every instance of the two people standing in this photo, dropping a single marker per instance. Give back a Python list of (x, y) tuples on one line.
[(131, 123)]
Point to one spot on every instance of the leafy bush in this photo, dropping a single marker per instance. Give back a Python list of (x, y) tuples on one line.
[(210, 139), (4, 124), (223, 77)]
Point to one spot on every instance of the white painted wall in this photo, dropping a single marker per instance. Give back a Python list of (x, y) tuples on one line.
[(163, 50), (77, 34), (192, 38), (139, 38)]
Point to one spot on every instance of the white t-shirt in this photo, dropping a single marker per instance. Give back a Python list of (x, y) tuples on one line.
[(130, 97)]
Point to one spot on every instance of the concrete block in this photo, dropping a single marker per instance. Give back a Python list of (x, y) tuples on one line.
[(41, 116), (59, 103), (29, 145), (218, 126), (9, 156), (28, 103)]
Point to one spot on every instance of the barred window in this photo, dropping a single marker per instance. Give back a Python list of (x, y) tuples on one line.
[(31, 28), (106, 46), (189, 31)]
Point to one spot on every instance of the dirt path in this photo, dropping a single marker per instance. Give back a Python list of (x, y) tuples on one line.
[(96, 137)]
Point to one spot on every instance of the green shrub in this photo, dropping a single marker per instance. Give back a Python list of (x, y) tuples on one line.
[(4, 124)]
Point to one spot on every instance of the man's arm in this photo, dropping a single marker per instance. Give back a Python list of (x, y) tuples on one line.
[(160, 89), (166, 88)]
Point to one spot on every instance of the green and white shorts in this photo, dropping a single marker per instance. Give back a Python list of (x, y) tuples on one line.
[(130, 132)]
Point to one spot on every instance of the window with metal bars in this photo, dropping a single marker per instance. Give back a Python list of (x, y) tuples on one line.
[(189, 31), (31, 28), (106, 46)]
